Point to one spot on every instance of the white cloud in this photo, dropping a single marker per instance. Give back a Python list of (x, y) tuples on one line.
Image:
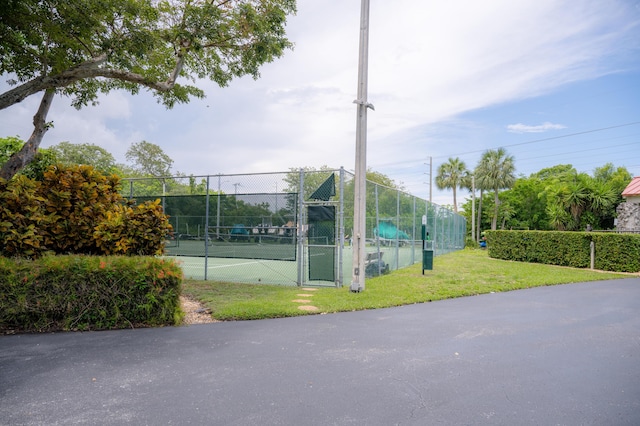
[(428, 63), (524, 128)]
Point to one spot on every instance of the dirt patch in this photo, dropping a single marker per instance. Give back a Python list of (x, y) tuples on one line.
[(308, 308), (195, 312)]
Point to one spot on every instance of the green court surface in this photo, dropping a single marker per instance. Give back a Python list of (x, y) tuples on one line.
[(283, 249), (253, 271), (268, 271)]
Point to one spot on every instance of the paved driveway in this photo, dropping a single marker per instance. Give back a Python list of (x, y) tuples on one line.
[(563, 355)]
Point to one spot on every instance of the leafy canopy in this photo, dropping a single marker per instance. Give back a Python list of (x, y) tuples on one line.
[(80, 49), (85, 154), (67, 45)]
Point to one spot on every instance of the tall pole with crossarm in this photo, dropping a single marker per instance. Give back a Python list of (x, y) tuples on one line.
[(360, 193)]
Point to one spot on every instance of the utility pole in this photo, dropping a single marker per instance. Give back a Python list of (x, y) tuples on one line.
[(360, 181), (236, 185), (430, 179), (473, 207)]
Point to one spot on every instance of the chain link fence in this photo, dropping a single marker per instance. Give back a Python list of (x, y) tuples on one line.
[(291, 228)]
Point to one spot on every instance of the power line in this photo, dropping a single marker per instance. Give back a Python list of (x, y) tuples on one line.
[(549, 138), (520, 143), (582, 153), (574, 153)]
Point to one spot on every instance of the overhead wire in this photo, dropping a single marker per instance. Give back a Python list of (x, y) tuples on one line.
[(399, 163)]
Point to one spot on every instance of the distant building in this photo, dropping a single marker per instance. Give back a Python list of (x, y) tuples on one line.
[(632, 192), (629, 211)]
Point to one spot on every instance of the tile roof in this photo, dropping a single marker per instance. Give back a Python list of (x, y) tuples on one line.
[(633, 189)]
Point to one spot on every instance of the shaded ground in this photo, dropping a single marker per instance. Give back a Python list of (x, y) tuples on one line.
[(566, 354)]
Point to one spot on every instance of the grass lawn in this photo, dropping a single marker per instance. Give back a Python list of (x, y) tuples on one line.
[(463, 273)]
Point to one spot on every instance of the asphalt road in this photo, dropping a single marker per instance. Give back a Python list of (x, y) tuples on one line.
[(562, 355)]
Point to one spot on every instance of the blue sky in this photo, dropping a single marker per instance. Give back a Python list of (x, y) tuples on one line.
[(447, 79), (586, 124)]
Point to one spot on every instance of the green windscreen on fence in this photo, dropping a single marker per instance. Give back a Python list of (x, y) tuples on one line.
[(321, 237), (243, 226), (249, 225)]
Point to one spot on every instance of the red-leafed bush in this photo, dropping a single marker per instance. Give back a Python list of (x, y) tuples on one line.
[(76, 210)]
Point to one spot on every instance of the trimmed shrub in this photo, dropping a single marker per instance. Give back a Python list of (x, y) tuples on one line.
[(76, 210), (22, 216), (617, 252), (77, 200), (88, 293), (140, 229), (613, 252)]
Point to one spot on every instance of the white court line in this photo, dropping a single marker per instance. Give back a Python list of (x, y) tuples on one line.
[(231, 266), (201, 264)]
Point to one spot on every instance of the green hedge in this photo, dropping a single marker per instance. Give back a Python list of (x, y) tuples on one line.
[(77, 292), (613, 252)]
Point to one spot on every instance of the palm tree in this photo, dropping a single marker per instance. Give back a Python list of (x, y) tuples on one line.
[(602, 199), (497, 171), (575, 199), (451, 175), (480, 175), (559, 218)]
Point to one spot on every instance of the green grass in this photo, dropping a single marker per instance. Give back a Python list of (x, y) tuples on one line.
[(463, 273)]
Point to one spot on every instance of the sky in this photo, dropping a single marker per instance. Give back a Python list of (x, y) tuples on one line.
[(551, 81)]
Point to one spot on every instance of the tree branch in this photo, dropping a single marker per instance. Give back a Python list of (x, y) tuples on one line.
[(89, 69), (28, 151), (79, 72)]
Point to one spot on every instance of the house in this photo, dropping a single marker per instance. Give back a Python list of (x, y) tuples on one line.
[(629, 212), (632, 192)]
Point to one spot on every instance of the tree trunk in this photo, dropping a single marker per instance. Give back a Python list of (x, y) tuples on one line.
[(28, 152), (479, 216), (494, 219), (455, 202)]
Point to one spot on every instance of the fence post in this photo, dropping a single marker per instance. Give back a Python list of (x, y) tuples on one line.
[(218, 206), (397, 229), (593, 254), (377, 232), (206, 233), (341, 230), (413, 242), (300, 228)]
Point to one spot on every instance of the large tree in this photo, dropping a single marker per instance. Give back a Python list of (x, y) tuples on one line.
[(452, 175), (86, 154), (149, 159), (529, 201), (82, 48), (496, 171), (578, 200)]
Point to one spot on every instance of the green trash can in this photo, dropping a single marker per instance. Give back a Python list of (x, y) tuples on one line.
[(427, 260)]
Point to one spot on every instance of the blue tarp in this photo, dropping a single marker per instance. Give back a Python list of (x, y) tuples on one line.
[(388, 231), (239, 229)]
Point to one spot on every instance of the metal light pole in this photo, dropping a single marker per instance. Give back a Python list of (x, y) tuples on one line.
[(360, 194), (473, 207), (430, 179)]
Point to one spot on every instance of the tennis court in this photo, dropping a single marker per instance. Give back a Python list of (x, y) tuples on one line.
[(283, 249), (252, 271), (291, 228), (232, 262)]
